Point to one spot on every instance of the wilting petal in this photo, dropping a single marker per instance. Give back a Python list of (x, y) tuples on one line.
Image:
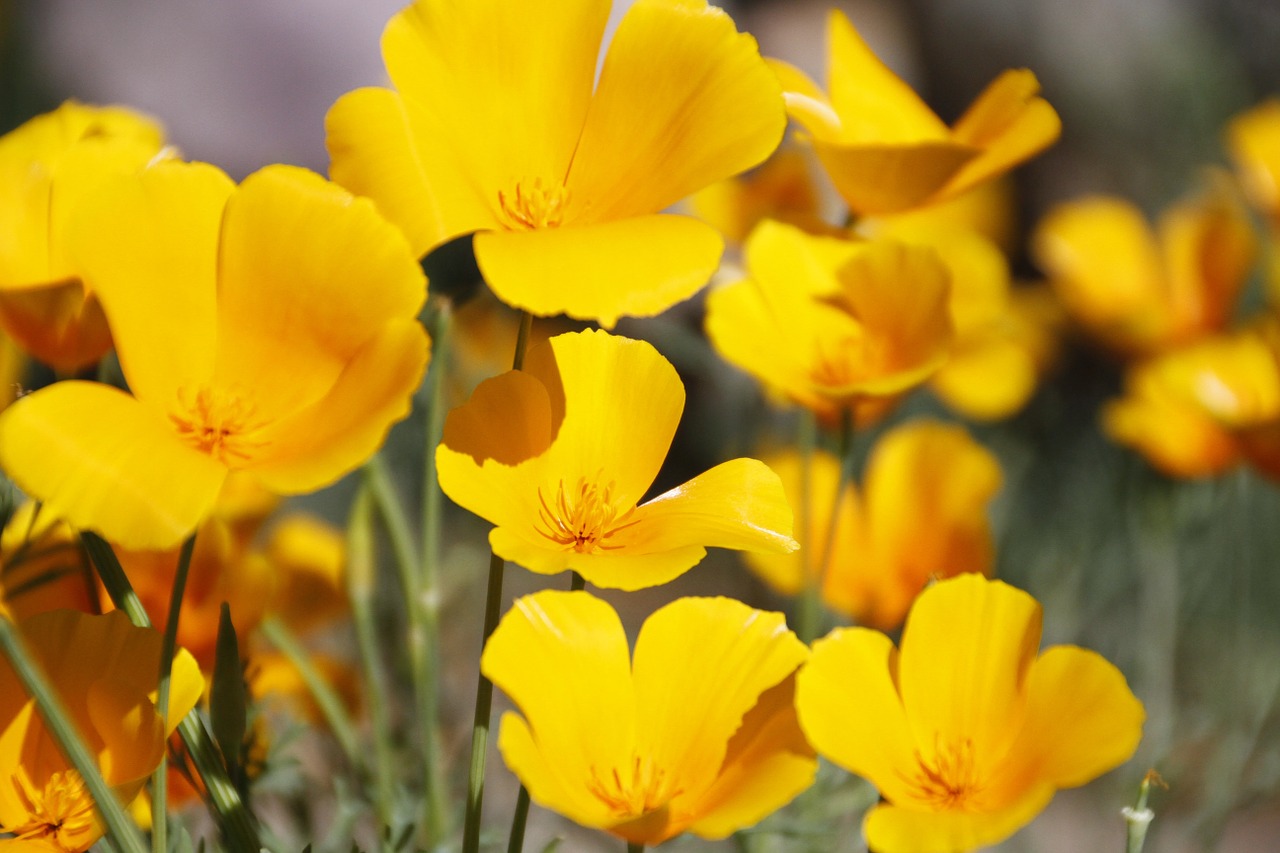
[(890, 829), (129, 477), (636, 267), (684, 100)]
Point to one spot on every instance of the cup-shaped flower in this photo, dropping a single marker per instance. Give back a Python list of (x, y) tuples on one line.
[(1140, 292), (494, 127), (920, 514), (886, 151), (846, 321), (48, 166), (650, 746), (103, 669), (966, 731), (558, 456), (268, 328)]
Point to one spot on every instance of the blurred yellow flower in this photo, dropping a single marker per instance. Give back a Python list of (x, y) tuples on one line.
[(886, 151), (844, 321), (782, 189), (105, 671), (1253, 141), (48, 167), (1140, 292), (268, 328), (921, 514), (700, 738), (558, 456), (967, 732), (494, 127), (42, 566)]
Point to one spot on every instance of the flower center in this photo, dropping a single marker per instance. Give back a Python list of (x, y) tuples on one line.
[(642, 789), (532, 205), (582, 517), (950, 781), (218, 423), (61, 813)]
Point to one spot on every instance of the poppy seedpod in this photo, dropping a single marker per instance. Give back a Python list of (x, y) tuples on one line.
[(497, 125)]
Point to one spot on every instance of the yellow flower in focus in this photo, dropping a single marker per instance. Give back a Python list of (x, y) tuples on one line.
[(42, 567), (105, 671), (1140, 292), (886, 151), (496, 125), (921, 514), (667, 741), (558, 456), (48, 167), (844, 322), (268, 329), (966, 731), (1253, 141)]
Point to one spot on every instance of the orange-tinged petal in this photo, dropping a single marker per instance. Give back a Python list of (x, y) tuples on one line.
[(684, 100), (636, 267), (129, 477), (508, 419), (864, 730), (893, 829), (876, 178), (768, 762), (294, 249), (132, 733), (1179, 440), (316, 445), (563, 659), (966, 649), (689, 706), (57, 323), (149, 247), (502, 91)]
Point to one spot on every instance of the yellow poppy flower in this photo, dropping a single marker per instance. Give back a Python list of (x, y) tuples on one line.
[(886, 151), (104, 670), (1253, 141), (42, 566), (966, 731), (494, 127), (1139, 292), (48, 167), (845, 321), (558, 456), (268, 328), (921, 514), (650, 746)]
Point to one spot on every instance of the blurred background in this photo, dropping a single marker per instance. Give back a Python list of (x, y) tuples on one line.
[(1177, 582)]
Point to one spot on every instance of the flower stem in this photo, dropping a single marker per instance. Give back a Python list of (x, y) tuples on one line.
[(484, 687), (635, 848), (160, 779), (1138, 817), (234, 818), (816, 578), (809, 607), (122, 829)]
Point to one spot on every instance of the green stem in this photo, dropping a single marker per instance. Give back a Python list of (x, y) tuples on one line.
[(234, 817), (361, 562), (1138, 817), (160, 779), (484, 687), (122, 829), (635, 848), (811, 607)]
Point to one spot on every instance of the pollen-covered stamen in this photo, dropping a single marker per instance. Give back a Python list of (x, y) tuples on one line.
[(950, 780), (582, 517), (642, 788), (217, 422), (532, 205), (61, 812)]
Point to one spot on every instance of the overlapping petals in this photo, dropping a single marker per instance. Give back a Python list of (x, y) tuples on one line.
[(847, 321), (267, 328), (559, 455), (104, 670), (662, 743), (48, 166), (886, 151), (967, 732), (494, 126)]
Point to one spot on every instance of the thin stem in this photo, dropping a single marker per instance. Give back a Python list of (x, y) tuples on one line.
[(816, 580), (809, 607), (484, 687), (160, 779), (1138, 817), (122, 829), (635, 848)]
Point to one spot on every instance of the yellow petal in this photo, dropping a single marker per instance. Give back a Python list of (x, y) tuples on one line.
[(637, 267), (132, 733), (129, 477), (684, 100), (691, 705), (563, 660), (891, 829), (986, 379), (864, 730), (966, 649), (59, 324), (629, 572), (1253, 140), (876, 178), (508, 419), (149, 247)]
